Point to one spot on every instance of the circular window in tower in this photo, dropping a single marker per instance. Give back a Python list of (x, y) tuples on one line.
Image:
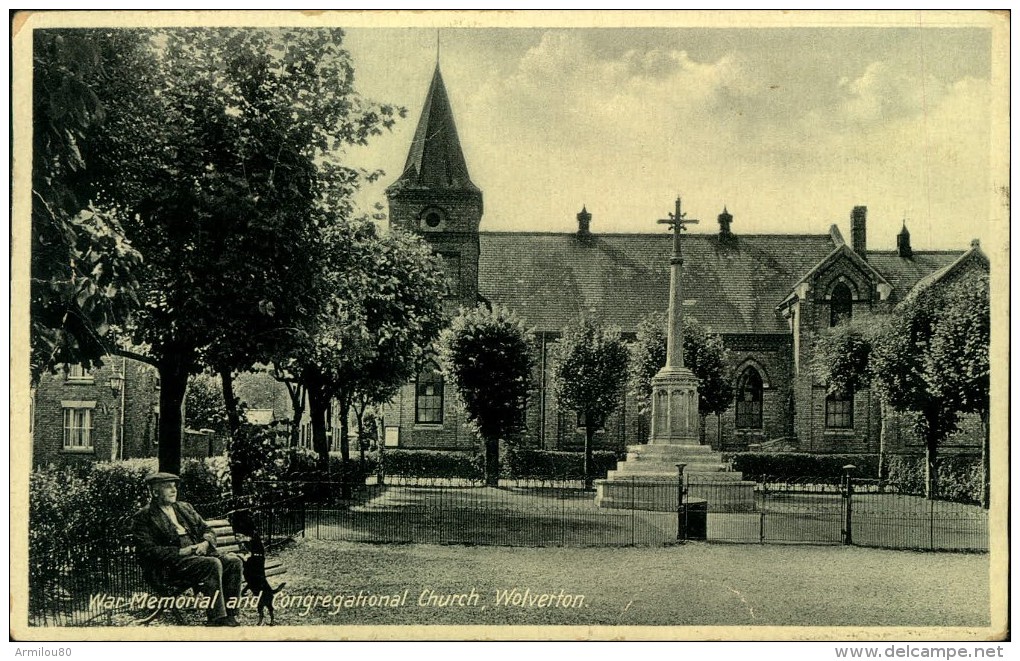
[(432, 218)]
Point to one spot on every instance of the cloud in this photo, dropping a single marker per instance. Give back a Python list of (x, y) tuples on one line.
[(883, 92)]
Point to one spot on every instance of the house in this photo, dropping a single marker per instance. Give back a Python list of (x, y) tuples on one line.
[(767, 295), (101, 414)]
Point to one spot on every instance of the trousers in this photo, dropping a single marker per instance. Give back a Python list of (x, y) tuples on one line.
[(218, 575)]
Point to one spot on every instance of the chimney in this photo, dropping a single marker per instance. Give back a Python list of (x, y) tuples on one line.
[(903, 242), (583, 222), (975, 244), (859, 231), (725, 218)]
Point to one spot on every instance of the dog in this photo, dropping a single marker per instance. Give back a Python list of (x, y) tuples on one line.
[(254, 571)]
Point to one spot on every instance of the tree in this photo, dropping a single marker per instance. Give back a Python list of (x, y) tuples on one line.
[(590, 377), (490, 356), (82, 281), (929, 358), (384, 312), (704, 355), (957, 363), (225, 167), (203, 405)]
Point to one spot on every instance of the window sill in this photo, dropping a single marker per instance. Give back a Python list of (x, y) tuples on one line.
[(87, 381), (78, 450), (428, 425), (839, 432)]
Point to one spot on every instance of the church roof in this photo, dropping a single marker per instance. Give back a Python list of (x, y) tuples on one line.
[(904, 273), (730, 286), (435, 161)]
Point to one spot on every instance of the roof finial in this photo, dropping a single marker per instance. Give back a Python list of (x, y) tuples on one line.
[(437, 46)]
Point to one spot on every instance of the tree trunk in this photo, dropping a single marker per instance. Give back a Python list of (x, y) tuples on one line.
[(931, 449), (359, 415), (986, 482), (297, 405), (345, 447), (318, 404), (345, 438), (174, 370), (883, 424), (230, 402), (589, 438), (492, 462)]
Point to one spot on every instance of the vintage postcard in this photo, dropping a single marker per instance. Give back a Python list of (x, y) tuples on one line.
[(510, 326)]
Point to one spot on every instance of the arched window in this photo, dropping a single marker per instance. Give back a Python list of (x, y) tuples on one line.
[(428, 396), (839, 410), (749, 388), (841, 304)]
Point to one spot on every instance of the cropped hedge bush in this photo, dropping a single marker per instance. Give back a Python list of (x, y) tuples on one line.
[(522, 463), (784, 465), (431, 464), (958, 477)]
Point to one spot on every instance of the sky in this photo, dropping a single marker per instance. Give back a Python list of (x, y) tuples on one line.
[(789, 128)]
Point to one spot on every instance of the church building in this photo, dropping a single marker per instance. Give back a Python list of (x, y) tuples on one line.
[(766, 295)]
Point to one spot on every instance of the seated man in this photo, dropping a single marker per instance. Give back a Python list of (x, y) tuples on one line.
[(177, 549)]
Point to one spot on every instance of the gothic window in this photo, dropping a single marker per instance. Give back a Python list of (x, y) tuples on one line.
[(841, 304), (839, 410), (749, 396), (428, 396)]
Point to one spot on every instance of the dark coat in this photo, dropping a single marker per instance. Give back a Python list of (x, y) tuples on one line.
[(157, 543)]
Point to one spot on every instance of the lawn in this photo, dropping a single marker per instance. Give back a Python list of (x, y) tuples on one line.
[(694, 584)]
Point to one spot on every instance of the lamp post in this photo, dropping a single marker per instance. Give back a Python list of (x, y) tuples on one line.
[(116, 383)]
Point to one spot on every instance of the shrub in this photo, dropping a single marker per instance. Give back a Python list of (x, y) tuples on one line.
[(433, 464), (959, 476), (522, 463), (785, 465)]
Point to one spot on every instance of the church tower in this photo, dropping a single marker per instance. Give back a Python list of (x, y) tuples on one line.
[(435, 197)]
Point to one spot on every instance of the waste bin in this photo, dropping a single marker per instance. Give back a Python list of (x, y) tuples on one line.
[(694, 513)]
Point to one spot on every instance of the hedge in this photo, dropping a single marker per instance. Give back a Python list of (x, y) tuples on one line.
[(786, 465), (552, 465), (431, 464), (958, 477)]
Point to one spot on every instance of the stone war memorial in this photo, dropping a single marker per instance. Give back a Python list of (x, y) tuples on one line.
[(654, 474)]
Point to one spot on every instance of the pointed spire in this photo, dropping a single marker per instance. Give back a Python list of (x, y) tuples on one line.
[(903, 248), (435, 160)]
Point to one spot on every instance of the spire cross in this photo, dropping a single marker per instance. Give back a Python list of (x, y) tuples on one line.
[(677, 222)]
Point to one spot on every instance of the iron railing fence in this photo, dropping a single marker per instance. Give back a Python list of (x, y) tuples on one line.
[(514, 513), (78, 582), (827, 510)]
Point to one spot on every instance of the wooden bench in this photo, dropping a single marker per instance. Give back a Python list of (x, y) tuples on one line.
[(227, 541)]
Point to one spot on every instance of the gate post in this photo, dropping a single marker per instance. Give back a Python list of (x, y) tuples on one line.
[(848, 499), (681, 511)]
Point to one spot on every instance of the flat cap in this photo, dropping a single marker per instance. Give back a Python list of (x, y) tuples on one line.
[(158, 478)]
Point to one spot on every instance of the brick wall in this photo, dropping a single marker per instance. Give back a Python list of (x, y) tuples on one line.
[(772, 357), (461, 214)]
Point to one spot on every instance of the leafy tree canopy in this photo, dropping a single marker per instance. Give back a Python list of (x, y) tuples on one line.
[(704, 355), (590, 370)]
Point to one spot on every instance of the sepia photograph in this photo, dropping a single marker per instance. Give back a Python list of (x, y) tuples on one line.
[(650, 325)]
